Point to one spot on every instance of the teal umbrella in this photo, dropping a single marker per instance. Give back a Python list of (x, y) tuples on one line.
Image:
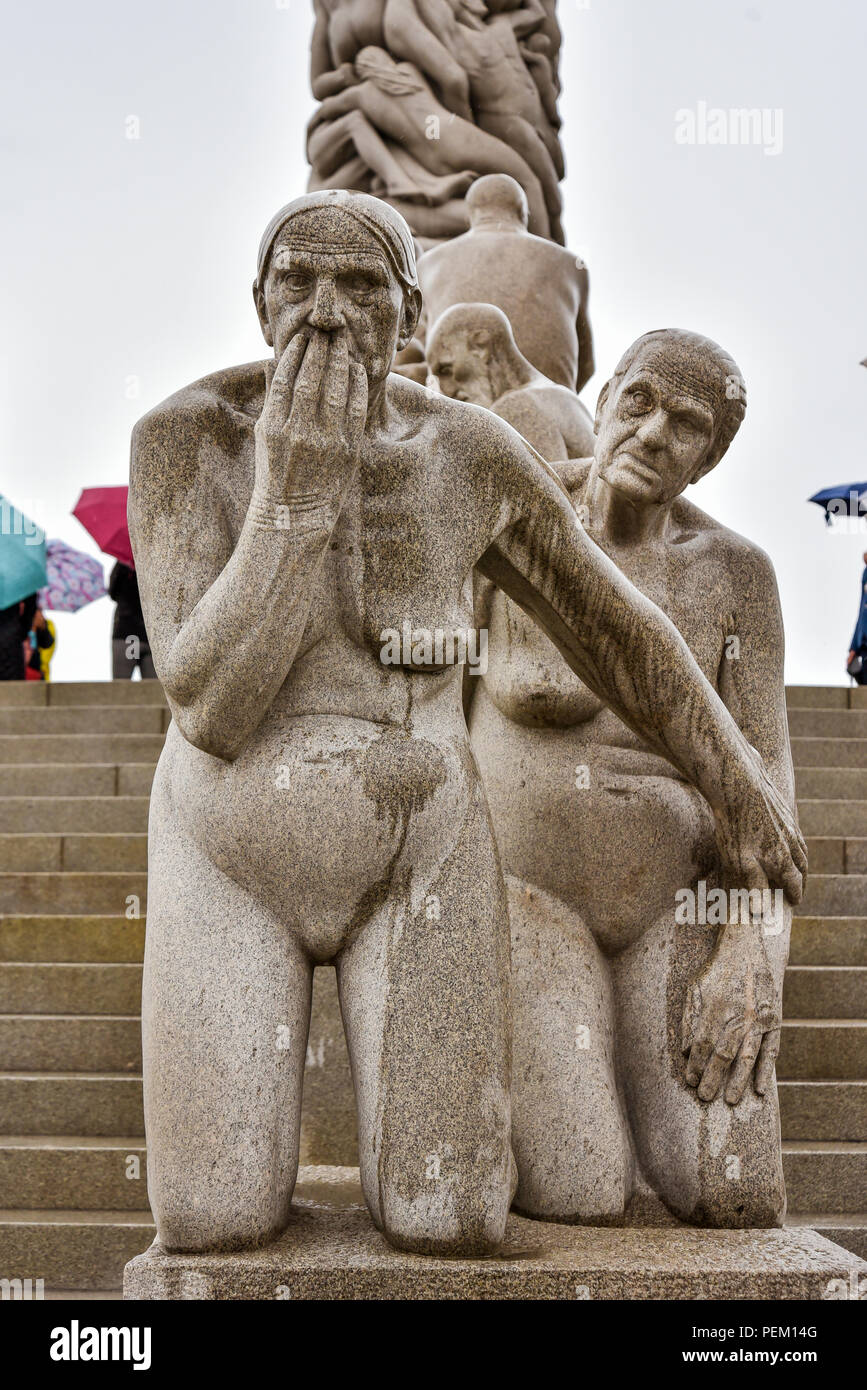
[(22, 555)]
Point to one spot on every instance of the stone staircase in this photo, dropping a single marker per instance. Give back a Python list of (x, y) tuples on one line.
[(822, 1068), (76, 763)]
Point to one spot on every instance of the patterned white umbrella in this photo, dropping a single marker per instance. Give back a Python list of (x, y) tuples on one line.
[(74, 579)]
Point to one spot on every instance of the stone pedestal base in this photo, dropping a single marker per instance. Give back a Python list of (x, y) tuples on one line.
[(331, 1250)]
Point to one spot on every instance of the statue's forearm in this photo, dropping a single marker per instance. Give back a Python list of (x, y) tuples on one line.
[(238, 644)]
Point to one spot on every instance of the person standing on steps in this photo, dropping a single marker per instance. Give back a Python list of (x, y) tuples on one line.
[(40, 640), (11, 644), (129, 639), (858, 645), (16, 649)]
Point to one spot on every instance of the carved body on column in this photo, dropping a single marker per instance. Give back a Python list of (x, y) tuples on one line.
[(454, 64), (642, 1040)]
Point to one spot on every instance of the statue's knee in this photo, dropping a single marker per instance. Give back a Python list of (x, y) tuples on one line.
[(736, 1192), (597, 1195), (189, 1226), (761, 1207), (425, 1225)]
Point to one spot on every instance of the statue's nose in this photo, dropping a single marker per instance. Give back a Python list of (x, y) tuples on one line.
[(325, 313), (655, 429)]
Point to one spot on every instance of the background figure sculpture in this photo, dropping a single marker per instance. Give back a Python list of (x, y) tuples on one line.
[(473, 355), (540, 287), (453, 64)]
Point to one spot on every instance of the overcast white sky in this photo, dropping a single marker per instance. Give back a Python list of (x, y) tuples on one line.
[(126, 264)]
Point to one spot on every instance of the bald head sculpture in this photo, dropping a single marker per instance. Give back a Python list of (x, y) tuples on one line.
[(473, 355), (497, 198)]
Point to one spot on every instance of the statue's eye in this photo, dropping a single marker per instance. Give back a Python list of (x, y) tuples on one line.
[(297, 282), (640, 400), (361, 286)]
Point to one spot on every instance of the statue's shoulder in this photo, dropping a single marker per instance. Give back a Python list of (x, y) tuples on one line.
[(731, 552), (233, 396), (473, 431), (452, 252), (419, 404), (206, 422)]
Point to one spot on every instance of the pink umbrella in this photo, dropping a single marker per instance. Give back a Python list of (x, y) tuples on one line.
[(102, 513)]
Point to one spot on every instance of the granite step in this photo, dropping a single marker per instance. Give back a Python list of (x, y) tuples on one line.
[(62, 937), (829, 784), (52, 852), (825, 1110), (848, 1229), (829, 1175), (32, 694), (818, 696), (834, 854), (69, 719), (63, 1042), (19, 781), (825, 991), (72, 892), (823, 1050), (834, 895), (42, 988), (71, 1103), (98, 811), (80, 1171), (829, 817), (828, 723), (84, 1295), (72, 1249), (829, 752), (819, 941), (94, 747)]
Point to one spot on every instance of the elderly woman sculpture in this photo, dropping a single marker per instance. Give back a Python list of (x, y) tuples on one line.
[(314, 804), (604, 846)]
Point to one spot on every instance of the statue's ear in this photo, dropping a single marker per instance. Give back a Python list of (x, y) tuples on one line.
[(600, 406), (410, 318), (259, 301), (709, 462)]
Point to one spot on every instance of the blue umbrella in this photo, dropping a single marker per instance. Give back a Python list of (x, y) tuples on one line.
[(22, 555), (846, 499)]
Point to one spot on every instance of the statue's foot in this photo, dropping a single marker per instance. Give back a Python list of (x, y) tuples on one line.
[(449, 186)]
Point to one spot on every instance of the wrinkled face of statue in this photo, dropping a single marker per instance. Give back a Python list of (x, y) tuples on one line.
[(329, 274), (658, 425), (461, 372)]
